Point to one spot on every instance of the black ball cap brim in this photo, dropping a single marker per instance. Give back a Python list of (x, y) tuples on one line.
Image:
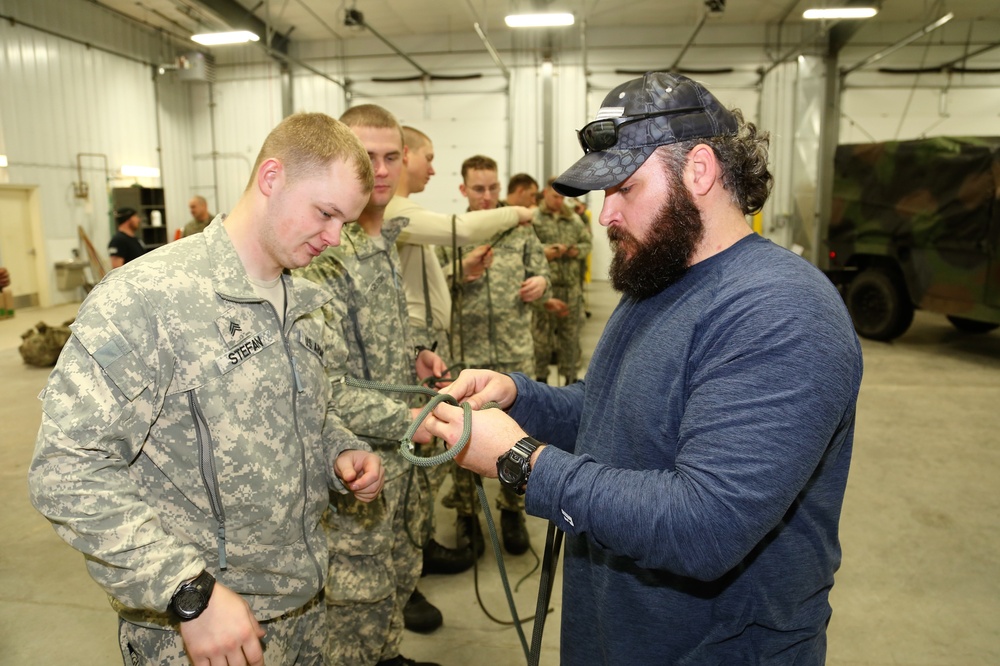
[(601, 170)]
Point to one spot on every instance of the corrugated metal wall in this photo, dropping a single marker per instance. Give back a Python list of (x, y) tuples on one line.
[(61, 98)]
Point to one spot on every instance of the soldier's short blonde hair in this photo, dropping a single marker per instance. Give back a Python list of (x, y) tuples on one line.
[(413, 138), (307, 143), (372, 115)]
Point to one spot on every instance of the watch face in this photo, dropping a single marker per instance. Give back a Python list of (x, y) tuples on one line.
[(189, 601), (509, 472)]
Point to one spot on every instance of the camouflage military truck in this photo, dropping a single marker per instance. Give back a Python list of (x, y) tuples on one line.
[(916, 224)]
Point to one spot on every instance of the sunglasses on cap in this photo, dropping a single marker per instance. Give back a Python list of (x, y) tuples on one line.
[(603, 134)]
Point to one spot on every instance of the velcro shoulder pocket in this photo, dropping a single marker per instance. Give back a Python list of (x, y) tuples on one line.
[(113, 352)]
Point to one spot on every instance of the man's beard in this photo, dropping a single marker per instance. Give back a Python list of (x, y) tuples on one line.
[(663, 256)]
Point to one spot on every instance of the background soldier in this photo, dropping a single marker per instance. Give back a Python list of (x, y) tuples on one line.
[(200, 217), (496, 330), (375, 550), (557, 328)]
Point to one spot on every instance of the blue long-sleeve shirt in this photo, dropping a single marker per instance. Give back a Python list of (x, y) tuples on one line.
[(699, 472)]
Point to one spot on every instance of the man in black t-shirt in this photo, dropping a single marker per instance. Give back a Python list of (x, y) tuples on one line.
[(124, 246)]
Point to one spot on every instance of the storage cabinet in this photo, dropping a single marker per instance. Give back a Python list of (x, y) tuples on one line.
[(148, 202)]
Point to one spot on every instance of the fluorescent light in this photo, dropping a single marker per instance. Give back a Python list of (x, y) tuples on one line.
[(135, 171), (538, 20), (3, 160), (840, 13), (217, 38)]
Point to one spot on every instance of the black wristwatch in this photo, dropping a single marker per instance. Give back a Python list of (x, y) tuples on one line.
[(191, 598), (514, 466)]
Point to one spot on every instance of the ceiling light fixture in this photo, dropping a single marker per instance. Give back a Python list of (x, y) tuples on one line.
[(135, 171), (840, 13), (219, 38), (539, 20)]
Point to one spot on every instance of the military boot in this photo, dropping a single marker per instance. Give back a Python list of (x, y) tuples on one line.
[(469, 532), (400, 660), (514, 532), (420, 615), (440, 559)]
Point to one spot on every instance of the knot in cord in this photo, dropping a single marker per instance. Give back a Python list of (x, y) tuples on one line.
[(407, 448)]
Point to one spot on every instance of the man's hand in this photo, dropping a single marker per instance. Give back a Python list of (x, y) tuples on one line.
[(475, 264), (225, 633), (361, 472), (572, 252), (429, 364), (493, 432), (524, 215), (532, 288), (557, 307), (478, 387), (4, 278)]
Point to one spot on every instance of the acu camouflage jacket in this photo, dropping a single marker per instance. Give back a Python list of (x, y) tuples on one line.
[(369, 325), (184, 427)]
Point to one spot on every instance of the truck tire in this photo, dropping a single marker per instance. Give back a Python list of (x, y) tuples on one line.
[(879, 305), (971, 325)]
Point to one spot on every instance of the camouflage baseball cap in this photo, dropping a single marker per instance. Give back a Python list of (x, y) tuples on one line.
[(635, 118)]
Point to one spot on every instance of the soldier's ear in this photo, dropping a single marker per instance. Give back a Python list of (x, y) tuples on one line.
[(269, 176)]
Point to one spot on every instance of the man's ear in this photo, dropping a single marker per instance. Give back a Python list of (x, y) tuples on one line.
[(461, 188), (270, 171), (702, 169), (406, 156)]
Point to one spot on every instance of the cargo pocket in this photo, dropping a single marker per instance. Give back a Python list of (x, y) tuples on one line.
[(360, 539)]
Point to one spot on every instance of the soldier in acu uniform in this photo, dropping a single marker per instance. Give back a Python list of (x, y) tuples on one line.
[(186, 445), (375, 549), (557, 327), (496, 331)]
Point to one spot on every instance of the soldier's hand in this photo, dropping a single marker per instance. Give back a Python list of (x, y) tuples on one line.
[(554, 251), (572, 252), (475, 263), (4, 278), (532, 288), (225, 633), (557, 307), (429, 364), (524, 215), (361, 472)]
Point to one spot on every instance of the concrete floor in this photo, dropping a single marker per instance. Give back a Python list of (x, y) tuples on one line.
[(920, 582)]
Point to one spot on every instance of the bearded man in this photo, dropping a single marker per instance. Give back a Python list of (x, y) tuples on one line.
[(699, 471)]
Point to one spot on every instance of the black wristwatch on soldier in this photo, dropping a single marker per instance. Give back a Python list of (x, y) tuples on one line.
[(191, 598), (514, 466)]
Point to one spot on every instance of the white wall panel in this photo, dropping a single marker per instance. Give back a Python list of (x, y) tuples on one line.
[(247, 106), (897, 111)]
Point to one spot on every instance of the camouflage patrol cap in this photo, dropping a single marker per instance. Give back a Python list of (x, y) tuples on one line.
[(636, 118)]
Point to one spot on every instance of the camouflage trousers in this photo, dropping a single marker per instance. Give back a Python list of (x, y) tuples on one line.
[(374, 568), (295, 639), (559, 334)]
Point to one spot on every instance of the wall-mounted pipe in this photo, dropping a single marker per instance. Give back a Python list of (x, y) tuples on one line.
[(80, 188)]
